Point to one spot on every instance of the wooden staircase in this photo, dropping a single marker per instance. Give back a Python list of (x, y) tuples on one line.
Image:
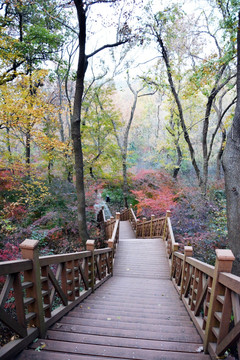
[(136, 314)]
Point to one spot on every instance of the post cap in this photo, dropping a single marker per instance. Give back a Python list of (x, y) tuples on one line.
[(188, 250), (90, 244), (118, 215), (225, 254), (29, 244), (110, 243)]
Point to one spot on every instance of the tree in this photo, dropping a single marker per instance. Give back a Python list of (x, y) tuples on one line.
[(123, 140), (209, 77), (231, 166), (99, 144), (82, 8), (28, 36)]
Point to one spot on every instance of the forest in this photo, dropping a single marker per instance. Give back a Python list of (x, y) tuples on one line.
[(133, 101)]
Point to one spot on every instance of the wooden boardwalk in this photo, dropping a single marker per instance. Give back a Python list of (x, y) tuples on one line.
[(137, 314)]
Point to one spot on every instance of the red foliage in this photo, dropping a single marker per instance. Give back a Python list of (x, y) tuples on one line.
[(13, 211), (10, 252), (156, 192), (6, 180)]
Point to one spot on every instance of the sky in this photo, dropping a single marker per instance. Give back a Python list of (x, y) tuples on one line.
[(144, 57)]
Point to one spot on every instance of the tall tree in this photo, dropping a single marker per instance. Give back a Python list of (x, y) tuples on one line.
[(82, 8), (231, 166), (209, 77)]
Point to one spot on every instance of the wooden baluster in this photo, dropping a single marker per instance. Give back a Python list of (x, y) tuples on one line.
[(108, 229), (188, 251), (90, 246), (151, 226), (76, 279), (29, 250), (111, 256), (112, 221), (173, 265), (117, 216), (165, 228), (70, 280), (18, 293), (143, 230), (86, 272), (223, 263), (46, 292)]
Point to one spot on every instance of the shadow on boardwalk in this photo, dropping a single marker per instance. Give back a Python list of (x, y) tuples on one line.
[(137, 314)]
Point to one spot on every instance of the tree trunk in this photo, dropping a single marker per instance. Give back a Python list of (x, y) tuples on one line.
[(76, 124), (220, 154), (125, 181), (231, 166), (179, 161), (180, 110), (28, 150)]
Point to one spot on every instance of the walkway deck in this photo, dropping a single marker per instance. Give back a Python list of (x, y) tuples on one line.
[(136, 314)]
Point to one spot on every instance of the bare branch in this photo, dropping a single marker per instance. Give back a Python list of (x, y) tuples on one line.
[(107, 46)]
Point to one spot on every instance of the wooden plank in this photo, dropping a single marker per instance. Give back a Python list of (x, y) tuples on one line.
[(108, 322), (122, 342), (205, 268), (131, 318), (56, 259), (102, 251), (47, 355), (14, 266), (138, 334), (230, 281), (112, 351)]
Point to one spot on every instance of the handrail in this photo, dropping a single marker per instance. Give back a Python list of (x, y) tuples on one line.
[(211, 295), (113, 242), (46, 288)]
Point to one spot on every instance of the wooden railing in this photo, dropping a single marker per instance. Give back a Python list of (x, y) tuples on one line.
[(212, 298), (153, 228), (43, 289), (111, 228)]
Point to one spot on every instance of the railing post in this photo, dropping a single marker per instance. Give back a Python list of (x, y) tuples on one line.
[(112, 221), (111, 255), (29, 249), (188, 252), (137, 228), (108, 229), (224, 261), (151, 226), (117, 217), (175, 248), (168, 214), (90, 246), (143, 221), (130, 212)]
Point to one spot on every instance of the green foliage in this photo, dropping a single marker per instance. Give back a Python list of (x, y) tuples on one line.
[(115, 193)]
